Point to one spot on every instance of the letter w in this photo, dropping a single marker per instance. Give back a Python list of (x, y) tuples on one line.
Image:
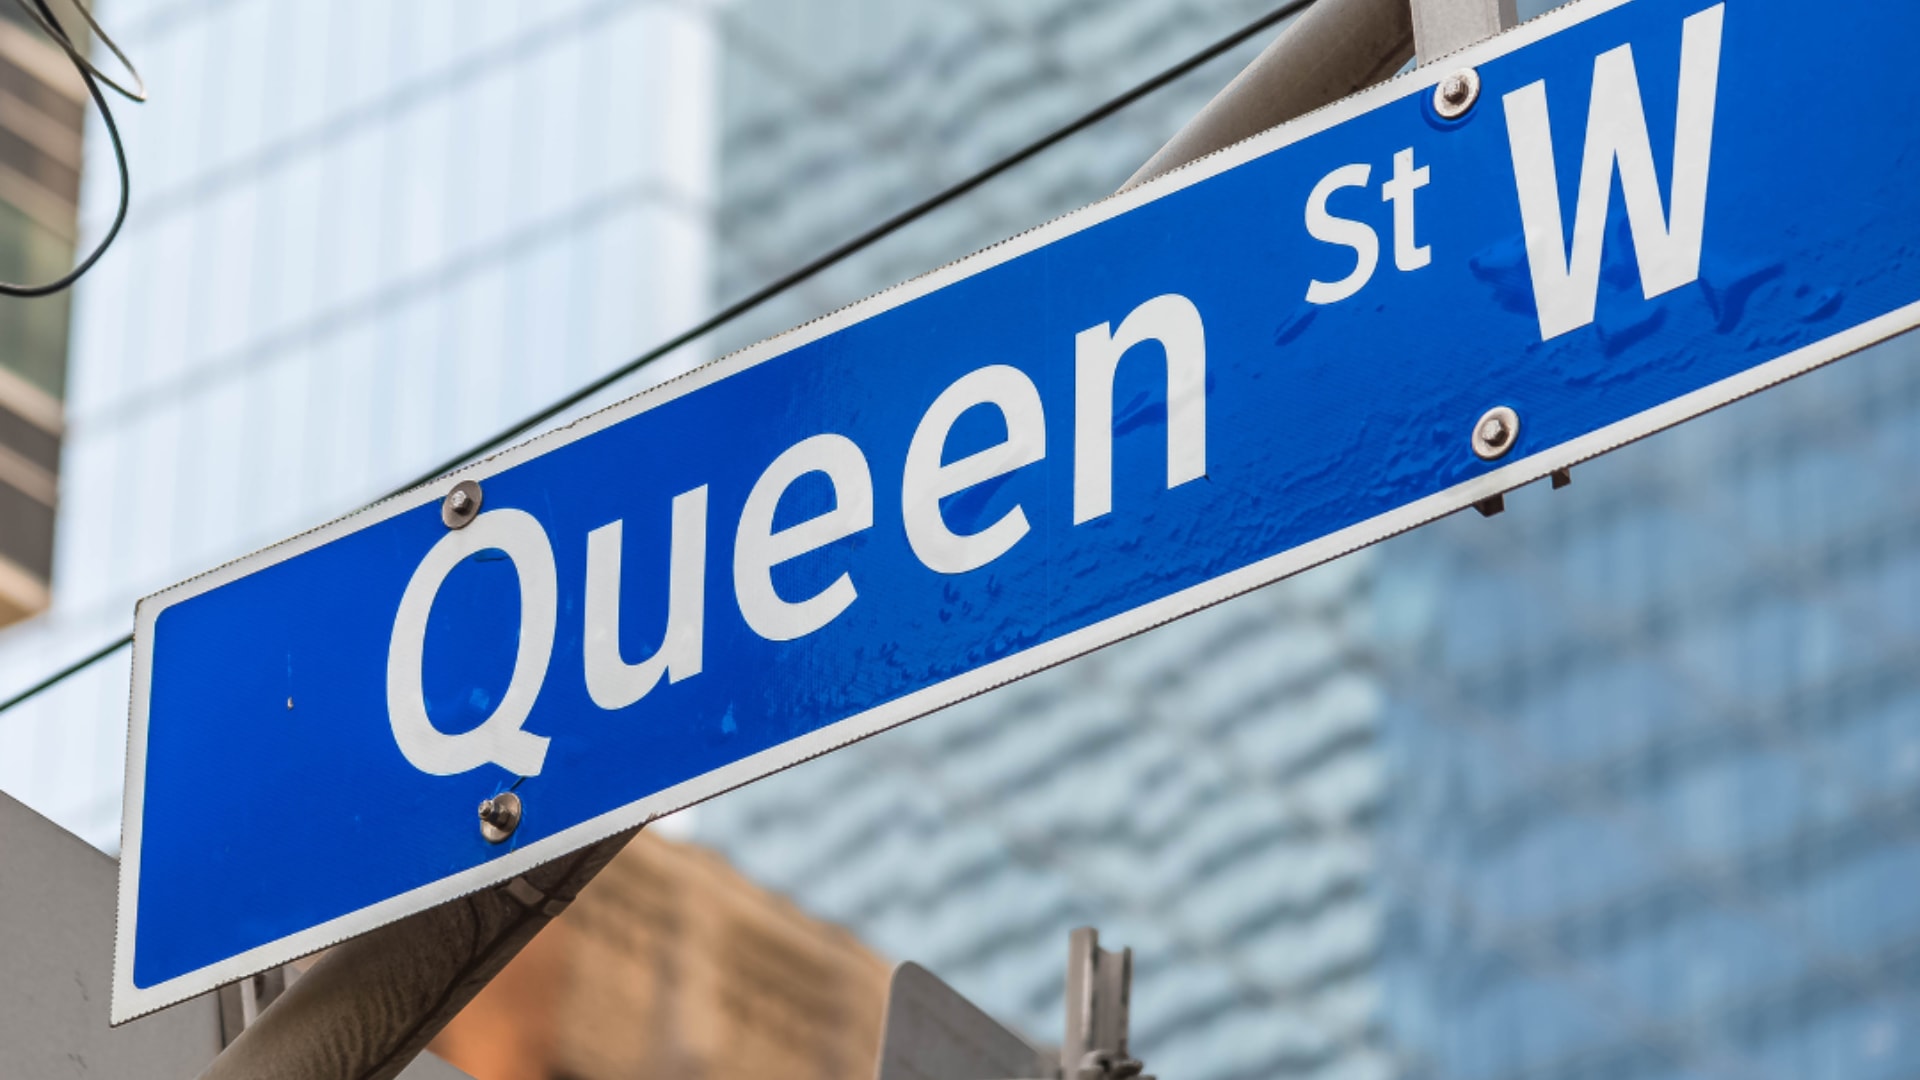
[(1565, 286)]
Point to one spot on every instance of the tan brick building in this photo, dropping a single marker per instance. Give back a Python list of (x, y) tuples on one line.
[(673, 965)]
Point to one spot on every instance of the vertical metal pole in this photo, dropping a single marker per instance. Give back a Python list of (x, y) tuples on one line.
[(1099, 992), (1447, 26)]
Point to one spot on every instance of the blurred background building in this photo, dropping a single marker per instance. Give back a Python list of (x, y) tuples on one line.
[(1621, 783), (363, 237), (42, 113), (673, 965)]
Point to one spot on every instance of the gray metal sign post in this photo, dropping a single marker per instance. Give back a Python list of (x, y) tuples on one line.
[(369, 1007), (1334, 48), (1328, 51)]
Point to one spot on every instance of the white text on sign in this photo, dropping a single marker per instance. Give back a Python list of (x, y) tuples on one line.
[(1667, 232)]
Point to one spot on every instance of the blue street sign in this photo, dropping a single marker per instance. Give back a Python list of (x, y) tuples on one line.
[(1648, 208)]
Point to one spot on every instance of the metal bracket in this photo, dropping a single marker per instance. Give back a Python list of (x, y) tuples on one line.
[(1441, 27), (528, 896), (1099, 1004)]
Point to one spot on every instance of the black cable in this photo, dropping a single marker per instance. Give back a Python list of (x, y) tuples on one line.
[(58, 33), (768, 292), (45, 17), (70, 670)]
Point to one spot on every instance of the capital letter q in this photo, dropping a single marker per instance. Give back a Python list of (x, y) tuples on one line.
[(499, 739)]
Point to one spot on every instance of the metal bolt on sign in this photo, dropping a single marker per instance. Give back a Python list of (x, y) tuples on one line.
[(461, 505), (1493, 435), (499, 816), (1496, 433), (1457, 93)]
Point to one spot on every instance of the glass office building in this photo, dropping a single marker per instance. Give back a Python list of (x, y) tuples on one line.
[(364, 236), (1653, 744), (1620, 783), (42, 106)]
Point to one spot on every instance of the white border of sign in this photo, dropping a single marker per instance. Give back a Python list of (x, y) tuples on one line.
[(130, 1002)]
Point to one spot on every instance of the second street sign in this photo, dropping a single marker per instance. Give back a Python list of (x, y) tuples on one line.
[(1613, 218)]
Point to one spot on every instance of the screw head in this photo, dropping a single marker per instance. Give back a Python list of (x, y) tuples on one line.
[(1457, 93), (500, 816), (461, 505), (1495, 433)]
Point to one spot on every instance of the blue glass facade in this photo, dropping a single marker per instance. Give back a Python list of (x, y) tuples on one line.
[(1654, 749)]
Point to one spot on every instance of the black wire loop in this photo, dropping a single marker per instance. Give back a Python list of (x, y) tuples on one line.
[(48, 22)]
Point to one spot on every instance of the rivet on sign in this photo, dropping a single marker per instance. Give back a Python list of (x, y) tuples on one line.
[(461, 505), (1457, 93), (499, 816), (1496, 433)]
